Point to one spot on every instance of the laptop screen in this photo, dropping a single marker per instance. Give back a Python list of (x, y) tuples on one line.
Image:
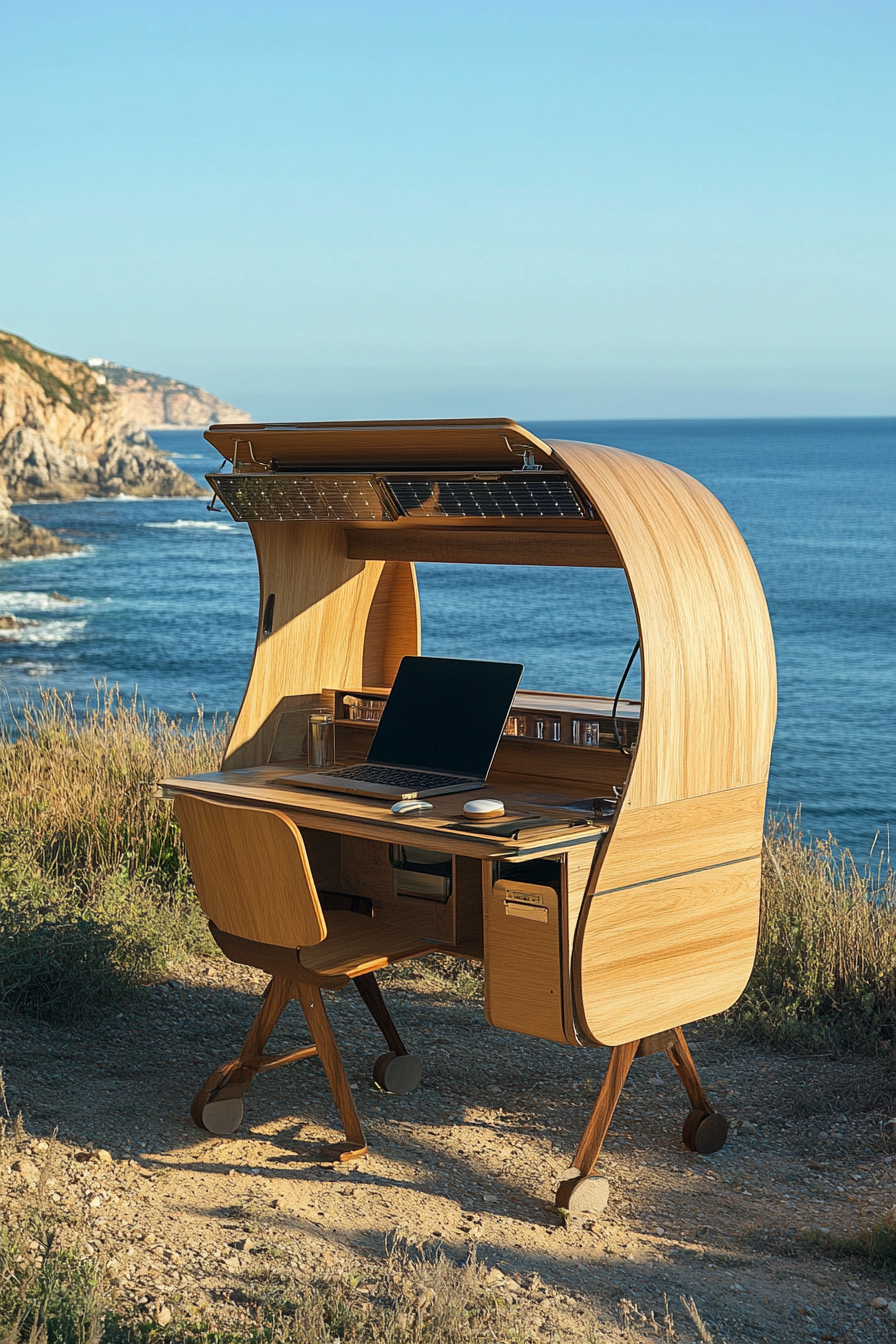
[(446, 714)]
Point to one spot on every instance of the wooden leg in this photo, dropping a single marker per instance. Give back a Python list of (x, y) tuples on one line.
[(319, 1026), (217, 1106), (369, 990), (596, 1130), (704, 1129), (686, 1069)]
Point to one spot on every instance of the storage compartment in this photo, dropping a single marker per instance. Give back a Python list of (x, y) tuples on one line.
[(423, 874), (524, 948)]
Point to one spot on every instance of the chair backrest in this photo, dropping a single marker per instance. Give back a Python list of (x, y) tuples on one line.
[(251, 872)]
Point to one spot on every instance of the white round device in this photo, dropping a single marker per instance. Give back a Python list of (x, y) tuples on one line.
[(481, 809), (411, 807)]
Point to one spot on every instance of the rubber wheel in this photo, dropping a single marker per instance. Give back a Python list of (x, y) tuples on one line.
[(398, 1073), (704, 1131), (584, 1195), (218, 1105), (222, 1116)]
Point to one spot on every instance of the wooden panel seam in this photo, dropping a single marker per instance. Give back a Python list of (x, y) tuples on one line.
[(670, 877)]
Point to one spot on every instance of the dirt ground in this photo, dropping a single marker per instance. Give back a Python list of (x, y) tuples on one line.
[(468, 1163)]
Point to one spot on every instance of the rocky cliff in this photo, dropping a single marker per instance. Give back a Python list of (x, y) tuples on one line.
[(20, 539), (65, 433), (156, 402)]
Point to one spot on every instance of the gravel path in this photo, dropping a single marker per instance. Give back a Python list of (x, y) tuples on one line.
[(469, 1162)]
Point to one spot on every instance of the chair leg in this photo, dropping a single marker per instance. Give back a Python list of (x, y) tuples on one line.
[(584, 1193), (309, 997), (218, 1105), (397, 1070), (704, 1130), (371, 993)]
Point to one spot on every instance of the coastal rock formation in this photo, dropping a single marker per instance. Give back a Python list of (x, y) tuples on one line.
[(21, 540), (156, 402), (64, 433)]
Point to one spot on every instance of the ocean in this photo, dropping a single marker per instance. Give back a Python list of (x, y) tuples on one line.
[(163, 601)]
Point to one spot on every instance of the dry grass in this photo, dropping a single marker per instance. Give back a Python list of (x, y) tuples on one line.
[(95, 891), (825, 975), (76, 786)]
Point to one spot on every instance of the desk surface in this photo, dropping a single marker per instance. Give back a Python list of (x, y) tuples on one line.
[(372, 818)]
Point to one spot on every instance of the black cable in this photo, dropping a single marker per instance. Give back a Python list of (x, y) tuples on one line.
[(626, 751)]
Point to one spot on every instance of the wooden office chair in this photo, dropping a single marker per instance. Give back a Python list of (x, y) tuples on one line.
[(255, 884)]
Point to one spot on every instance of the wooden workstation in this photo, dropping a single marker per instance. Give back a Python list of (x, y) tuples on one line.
[(595, 927)]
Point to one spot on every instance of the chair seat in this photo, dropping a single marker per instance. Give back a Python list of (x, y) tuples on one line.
[(356, 944)]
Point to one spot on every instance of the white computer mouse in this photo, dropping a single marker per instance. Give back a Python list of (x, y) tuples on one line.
[(481, 809), (410, 807)]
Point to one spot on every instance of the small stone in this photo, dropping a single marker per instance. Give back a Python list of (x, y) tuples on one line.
[(489, 1199), (28, 1170), (103, 1155), (748, 1127), (162, 1315), (879, 1303)]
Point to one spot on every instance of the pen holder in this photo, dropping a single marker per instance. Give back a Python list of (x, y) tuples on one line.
[(321, 739)]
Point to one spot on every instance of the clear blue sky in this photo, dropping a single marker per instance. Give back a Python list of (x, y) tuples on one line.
[(342, 208)]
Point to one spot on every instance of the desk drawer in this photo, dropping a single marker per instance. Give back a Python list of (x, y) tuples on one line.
[(523, 959)]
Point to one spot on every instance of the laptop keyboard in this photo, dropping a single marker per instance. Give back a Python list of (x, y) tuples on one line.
[(395, 776)]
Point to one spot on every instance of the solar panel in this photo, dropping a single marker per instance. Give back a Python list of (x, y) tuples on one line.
[(281, 496), (532, 494), (278, 497)]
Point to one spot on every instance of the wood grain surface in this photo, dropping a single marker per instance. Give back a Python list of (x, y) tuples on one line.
[(649, 957), (322, 602), (656, 955), (483, 546), (251, 872), (378, 445), (708, 666)]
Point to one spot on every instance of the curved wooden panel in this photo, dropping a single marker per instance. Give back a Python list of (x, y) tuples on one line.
[(393, 624), (321, 605), (668, 933), (708, 668), (251, 872), (669, 952)]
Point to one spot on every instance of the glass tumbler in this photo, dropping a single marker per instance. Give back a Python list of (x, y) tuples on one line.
[(321, 739)]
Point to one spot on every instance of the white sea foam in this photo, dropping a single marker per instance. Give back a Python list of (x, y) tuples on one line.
[(193, 522), (63, 555), (11, 667), (19, 600), (43, 632)]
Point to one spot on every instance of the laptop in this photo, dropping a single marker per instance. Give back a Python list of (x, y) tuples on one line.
[(439, 731)]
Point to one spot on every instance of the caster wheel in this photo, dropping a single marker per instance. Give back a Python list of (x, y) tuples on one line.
[(704, 1131), (222, 1117), (398, 1073), (218, 1105), (584, 1195)]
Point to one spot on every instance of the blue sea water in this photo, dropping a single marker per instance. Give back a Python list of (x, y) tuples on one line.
[(165, 600)]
